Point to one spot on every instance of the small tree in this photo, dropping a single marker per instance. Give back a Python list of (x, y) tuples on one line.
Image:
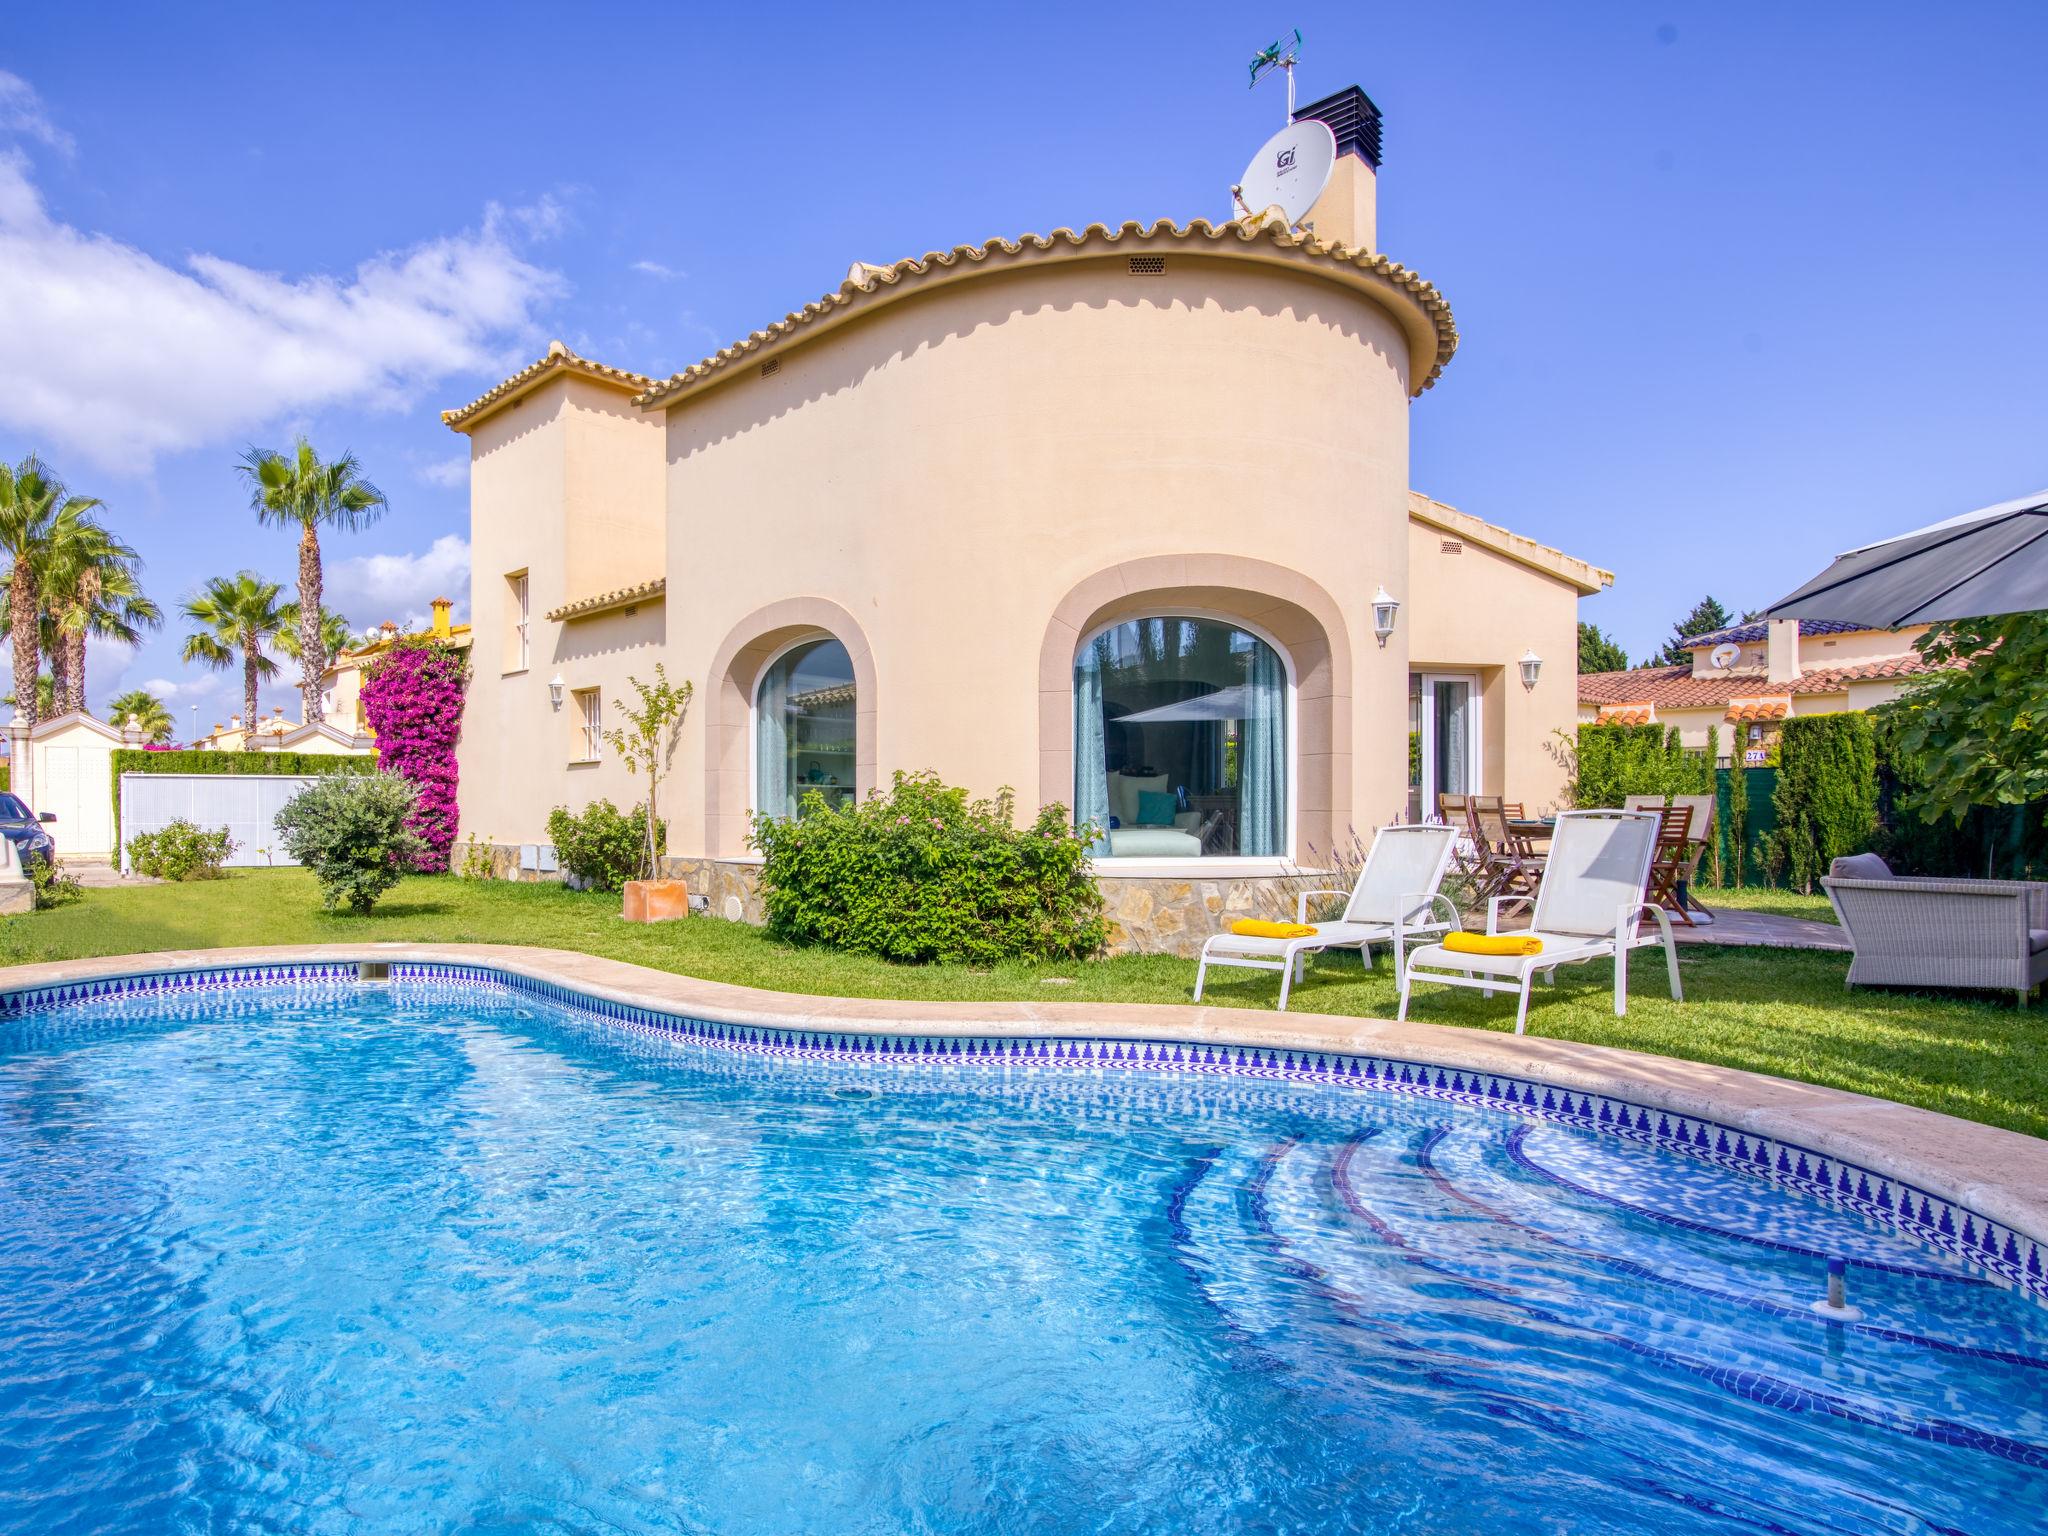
[(645, 743), (355, 834), (1738, 819), (1707, 616), (1978, 727), (1599, 652)]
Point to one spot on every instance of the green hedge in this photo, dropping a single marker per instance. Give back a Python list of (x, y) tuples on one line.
[(194, 760), (1826, 796), (1616, 761)]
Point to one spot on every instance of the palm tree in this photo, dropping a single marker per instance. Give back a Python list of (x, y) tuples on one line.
[(335, 633), (237, 616), (93, 593), (145, 711), (37, 517), (301, 492), (46, 697)]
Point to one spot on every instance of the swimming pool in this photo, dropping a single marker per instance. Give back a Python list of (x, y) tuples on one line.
[(320, 1256)]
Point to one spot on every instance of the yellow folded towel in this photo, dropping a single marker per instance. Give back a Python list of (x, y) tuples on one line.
[(1259, 928), (1493, 944)]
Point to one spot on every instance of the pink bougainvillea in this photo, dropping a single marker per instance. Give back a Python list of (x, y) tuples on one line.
[(412, 697)]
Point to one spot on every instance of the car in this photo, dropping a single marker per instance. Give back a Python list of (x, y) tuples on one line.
[(24, 828)]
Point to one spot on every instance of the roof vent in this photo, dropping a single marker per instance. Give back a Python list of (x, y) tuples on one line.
[(772, 367), (1354, 120), (1148, 266), (1450, 546)]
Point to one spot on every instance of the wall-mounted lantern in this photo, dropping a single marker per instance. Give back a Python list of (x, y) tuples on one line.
[(1531, 665), (555, 687), (1384, 607)]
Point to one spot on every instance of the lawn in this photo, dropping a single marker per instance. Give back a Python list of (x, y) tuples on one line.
[(1777, 1011)]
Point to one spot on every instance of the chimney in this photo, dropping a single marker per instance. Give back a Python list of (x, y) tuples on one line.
[(441, 607), (1781, 651), (1346, 214)]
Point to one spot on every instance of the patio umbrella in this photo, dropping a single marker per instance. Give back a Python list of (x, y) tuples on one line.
[(1223, 704), (1982, 563)]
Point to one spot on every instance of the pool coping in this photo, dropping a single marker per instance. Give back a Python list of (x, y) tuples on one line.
[(1997, 1176)]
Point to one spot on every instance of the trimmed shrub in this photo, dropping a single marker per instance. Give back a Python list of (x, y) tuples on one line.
[(1826, 799), (193, 760), (921, 873), (603, 847), (1613, 762), (355, 834), (53, 888), (180, 851)]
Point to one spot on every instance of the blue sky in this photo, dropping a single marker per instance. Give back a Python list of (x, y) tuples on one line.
[(1740, 284)]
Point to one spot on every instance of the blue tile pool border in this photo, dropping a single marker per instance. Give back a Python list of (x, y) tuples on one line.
[(1999, 1252)]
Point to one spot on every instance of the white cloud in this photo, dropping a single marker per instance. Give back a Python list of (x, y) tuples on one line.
[(656, 269), (401, 588), (119, 357), (190, 690), (21, 112), (449, 472)]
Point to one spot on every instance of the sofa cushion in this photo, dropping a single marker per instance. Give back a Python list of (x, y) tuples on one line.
[(1156, 808), (2037, 940), (1860, 866), (1124, 789)]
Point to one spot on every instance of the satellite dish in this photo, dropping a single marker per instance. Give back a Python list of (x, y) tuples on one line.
[(1724, 654), (1291, 169)]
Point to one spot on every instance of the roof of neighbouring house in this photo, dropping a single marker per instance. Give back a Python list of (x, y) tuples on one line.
[(559, 359), (1582, 574), (1677, 688), (1745, 634)]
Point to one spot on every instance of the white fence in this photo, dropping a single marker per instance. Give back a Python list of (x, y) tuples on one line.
[(245, 803)]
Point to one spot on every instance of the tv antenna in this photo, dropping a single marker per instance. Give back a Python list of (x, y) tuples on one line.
[(1283, 55)]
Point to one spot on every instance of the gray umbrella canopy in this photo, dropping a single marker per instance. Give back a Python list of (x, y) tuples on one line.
[(1982, 563)]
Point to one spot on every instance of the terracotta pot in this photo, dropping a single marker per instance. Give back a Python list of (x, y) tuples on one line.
[(656, 901)]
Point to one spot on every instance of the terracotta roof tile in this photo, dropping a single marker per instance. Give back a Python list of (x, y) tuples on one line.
[(1626, 714), (605, 602), (559, 359), (866, 283), (1743, 711), (1677, 688)]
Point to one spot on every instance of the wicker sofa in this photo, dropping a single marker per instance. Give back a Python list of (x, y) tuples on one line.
[(1911, 932)]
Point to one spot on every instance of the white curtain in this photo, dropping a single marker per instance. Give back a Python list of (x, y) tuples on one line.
[(774, 794), (1091, 768), (1262, 774)]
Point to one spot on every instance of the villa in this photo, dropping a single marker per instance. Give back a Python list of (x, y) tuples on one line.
[(1746, 680), (1119, 518)]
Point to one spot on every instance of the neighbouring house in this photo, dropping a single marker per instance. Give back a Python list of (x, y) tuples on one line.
[(1746, 680), (1119, 518), (341, 685), (275, 733)]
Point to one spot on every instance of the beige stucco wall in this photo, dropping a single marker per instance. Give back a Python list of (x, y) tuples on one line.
[(950, 469), (962, 485), (526, 511), (1479, 611)]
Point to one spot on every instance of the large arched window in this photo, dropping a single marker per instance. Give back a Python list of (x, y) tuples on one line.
[(1181, 741), (803, 728)]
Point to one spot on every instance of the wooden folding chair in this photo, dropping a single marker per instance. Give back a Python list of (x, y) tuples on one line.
[(1672, 860), (1512, 867)]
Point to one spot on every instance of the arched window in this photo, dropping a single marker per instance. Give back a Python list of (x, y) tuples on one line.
[(1182, 746), (803, 728)]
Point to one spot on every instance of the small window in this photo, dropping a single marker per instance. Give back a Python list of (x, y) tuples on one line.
[(587, 744), (519, 633)]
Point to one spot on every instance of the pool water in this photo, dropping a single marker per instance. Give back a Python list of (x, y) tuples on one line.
[(432, 1256)]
